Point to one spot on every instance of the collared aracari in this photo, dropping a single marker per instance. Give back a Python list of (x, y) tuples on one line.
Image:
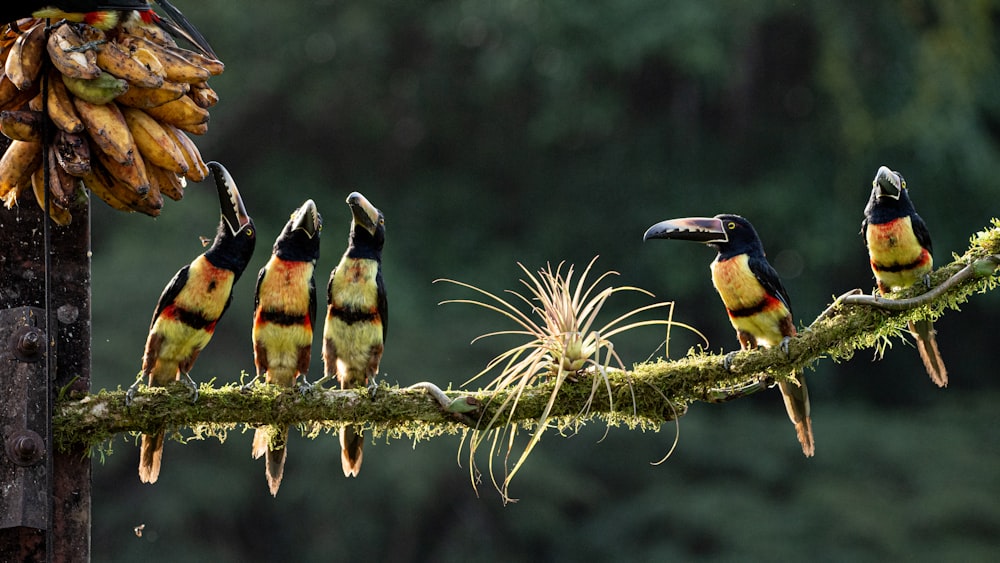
[(357, 317), (191, 305), (899, 250), (756, 301), (106, 14), (284, 313)]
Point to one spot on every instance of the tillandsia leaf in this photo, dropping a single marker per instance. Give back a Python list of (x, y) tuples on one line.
[(562, 341)]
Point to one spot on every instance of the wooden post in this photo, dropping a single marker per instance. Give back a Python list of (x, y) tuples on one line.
[(63, 293)]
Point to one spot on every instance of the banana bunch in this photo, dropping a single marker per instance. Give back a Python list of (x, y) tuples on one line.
[(121, 104)]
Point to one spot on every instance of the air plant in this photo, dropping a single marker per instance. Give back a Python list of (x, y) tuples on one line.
[(563, 341)]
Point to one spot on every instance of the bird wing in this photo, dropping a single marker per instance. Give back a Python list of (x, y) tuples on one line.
[(921, 232), (170, 292), (383, 304), (768, 278)]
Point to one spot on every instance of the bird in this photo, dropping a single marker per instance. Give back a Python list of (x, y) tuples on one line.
[(755, 299), (284, 313), (106, 14), (190, 306), (900, 254), (357, 318)]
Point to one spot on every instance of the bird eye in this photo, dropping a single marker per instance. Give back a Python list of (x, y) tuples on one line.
[(249, 232), (731, 225)]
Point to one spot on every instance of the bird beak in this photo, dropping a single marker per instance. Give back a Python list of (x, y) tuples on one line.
[(177, 25), (698, 229), (887, 183), (365, 214), (233, 211), (307, 219)]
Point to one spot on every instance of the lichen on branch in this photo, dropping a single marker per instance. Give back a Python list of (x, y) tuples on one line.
[(647, 396)]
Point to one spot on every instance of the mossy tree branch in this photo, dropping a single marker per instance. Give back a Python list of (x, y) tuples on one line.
[(650, 394)]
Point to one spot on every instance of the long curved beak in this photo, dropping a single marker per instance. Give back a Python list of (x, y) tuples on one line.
[(698, 229), (307, 219), (365, 214), (178, 26), (233, 211), (887, 183)]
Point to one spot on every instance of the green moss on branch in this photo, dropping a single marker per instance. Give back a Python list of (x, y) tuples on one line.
[(651, 394)]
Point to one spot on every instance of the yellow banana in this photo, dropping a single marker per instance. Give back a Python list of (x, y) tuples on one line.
[(213, 66), (148, 59), (100, 90), (114, 59), (106, 126), (145, 98), (167, 182), (12, 97), (69, 55), (176, 66), (24, 61), (21, 125), (96, 186), (154, 33), (124, 192), (132, 174), (155, 145), (182, 113), (203, 95), (60, 215), (197, 170), (60, 105), (17, 164), (73, 153)]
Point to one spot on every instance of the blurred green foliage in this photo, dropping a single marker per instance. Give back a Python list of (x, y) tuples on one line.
[(496, 132)]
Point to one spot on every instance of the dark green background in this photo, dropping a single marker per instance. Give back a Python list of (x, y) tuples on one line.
[(535, 131)]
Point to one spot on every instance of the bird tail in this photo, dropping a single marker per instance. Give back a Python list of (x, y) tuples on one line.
[(797, 404), (274, 456), (352, 442), (923, 332), (150, 455)]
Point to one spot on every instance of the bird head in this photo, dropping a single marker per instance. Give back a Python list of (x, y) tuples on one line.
[(729, 234), (236, 239), (367, 225), (888, 184), (299, 240)]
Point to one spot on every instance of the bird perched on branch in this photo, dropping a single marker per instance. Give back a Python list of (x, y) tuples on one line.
[(106, 14), (357, 317), (899, 250), (284, 313), (756, 301), (191, 305)]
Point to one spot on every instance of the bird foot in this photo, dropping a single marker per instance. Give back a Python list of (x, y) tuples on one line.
[(306, 387), (372, 387), (303, 386), (192, 387), (130, 392), (927, 280), (246, 387), (784, 346), (727, 360)]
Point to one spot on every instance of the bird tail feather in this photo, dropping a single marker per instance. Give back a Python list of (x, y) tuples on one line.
[(352, 443), (797, 404), (150, 456), (923, 332)]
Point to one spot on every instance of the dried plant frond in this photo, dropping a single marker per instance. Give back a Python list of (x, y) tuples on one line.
[(558, 317)]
